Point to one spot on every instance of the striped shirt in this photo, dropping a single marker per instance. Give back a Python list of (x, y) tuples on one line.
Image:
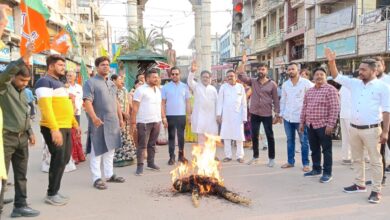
[(55, 104)]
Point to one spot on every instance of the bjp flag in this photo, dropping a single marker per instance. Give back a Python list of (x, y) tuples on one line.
[(61, 42), (34, 17)]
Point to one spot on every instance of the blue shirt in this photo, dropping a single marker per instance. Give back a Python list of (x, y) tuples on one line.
[(176, 96), (29, 94)]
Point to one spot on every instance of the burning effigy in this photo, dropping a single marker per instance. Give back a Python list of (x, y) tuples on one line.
[(201, 176)]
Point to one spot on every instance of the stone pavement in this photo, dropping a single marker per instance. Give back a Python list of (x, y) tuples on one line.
[(276, 193)]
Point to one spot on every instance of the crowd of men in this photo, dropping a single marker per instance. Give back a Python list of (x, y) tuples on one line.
[(309, 108)]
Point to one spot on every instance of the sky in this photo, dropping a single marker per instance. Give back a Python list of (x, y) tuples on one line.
[(178, 13)]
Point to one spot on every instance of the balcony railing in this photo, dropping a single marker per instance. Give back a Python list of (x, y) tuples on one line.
[(275, 38), (295, 27), (381, 14)]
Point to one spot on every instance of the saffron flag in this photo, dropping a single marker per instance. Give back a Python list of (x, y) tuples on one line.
[(34, 17), (62, 42)]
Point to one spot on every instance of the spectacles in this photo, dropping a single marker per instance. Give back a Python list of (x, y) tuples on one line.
[(175, 74)]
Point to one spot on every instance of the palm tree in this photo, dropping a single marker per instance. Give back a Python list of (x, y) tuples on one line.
[(140, 40)]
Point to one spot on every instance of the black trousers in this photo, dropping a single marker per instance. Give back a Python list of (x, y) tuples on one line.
[(317, 140), (60, 156), (176, 124), (147, 138), (256, 121), (16, 151)]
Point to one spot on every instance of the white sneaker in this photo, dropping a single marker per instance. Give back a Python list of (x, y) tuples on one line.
[(271, 163), (254, 161)]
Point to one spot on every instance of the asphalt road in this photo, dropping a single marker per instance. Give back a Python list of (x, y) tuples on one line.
[(276, 193)]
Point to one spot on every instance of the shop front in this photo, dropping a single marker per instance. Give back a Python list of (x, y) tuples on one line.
[(39, 67)]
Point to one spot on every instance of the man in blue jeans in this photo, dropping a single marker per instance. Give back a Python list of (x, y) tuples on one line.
[(291, 101)]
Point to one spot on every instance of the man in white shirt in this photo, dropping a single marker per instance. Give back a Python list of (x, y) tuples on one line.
[(370, 104), (77, 91), (345, 117), (291, 101), (146, 119), (203, 118), (381, 75), (231, 114)]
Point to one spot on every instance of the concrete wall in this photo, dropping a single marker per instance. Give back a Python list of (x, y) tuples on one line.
[(372, 38)]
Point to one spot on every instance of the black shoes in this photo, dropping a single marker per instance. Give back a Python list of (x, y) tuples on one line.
[(374, 197), (24, 212), (182, 159), (171, 161), (355, 189)]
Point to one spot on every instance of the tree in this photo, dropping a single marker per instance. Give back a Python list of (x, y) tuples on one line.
[(141, 40)]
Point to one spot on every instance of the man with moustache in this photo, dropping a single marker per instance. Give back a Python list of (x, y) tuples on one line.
[(56, 123), (105, 121), (319, 113), (370, 106), (176, 106), (203, 117), (231, 114), (146, 119), (264, 98), (293, 92)]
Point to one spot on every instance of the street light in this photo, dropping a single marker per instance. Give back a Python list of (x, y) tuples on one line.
[(162, 32)]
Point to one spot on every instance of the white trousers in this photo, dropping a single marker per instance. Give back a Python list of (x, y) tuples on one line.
[(108, 164), (228, 149), (345, 140)]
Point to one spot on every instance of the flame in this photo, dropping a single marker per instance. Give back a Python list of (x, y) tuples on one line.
[(203, 163)]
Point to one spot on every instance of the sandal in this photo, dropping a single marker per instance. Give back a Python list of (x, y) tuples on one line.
[(116, 179), (99, 184)]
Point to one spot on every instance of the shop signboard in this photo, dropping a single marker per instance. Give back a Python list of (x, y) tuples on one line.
[(335, 22), (371, 17), (5, 55), (39, 59), (342, 47)]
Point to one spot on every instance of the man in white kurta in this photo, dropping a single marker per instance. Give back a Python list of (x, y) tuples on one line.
[(203, 118), (232, 113)]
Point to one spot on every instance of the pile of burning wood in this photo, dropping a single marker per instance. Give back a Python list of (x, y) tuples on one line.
[(201, 176)]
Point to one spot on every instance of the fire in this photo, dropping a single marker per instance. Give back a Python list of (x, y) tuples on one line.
[(203, 163)]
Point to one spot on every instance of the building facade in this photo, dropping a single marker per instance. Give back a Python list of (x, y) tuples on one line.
[(82, 16)]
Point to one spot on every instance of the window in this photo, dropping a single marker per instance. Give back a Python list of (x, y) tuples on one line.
[(281, 22), (312, 18), (265, 31), (258, 29), (294, 17)]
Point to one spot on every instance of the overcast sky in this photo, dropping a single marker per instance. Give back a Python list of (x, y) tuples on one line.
[(177, 12)]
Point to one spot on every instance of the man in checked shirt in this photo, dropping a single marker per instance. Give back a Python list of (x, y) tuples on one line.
[(320, 110)]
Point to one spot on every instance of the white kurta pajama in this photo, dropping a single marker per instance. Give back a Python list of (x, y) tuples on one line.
[(203, 118), (232, 106)]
